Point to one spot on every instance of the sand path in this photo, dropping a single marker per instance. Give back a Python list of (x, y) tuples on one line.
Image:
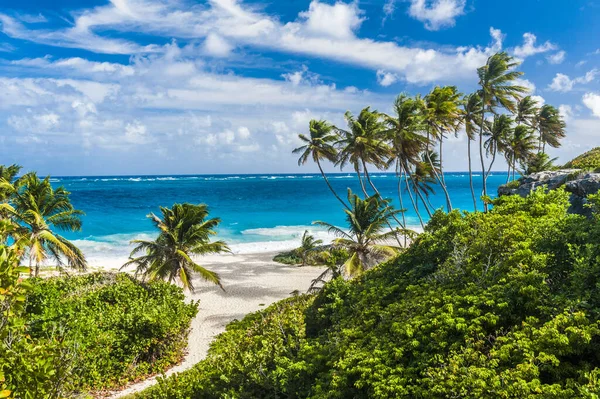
[(252, 282)]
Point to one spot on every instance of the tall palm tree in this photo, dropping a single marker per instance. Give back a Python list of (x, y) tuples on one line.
[(38, 208), (471, 114), (498, 135), (498, 88), (319, 146), (366, 238), (520, 148), (527, 110), (404, 133), (550, 126), (363, 143), (185, 231), (442, 115), (307, 246)]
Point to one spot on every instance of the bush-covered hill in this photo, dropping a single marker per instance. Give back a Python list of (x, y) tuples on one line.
[(115, 328), (589, 160), (498, 305)]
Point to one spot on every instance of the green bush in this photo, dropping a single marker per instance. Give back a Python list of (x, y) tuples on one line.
[(118, 328), (587, 161), (504, 304), (325, 255)]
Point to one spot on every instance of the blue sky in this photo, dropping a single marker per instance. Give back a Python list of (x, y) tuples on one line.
[(225, 86)]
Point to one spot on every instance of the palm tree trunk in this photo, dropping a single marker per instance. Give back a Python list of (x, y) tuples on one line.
[(412, 199), (437, 176), (422, 200), (491, 164), (362, 184), (448, 202), (329, 185), (484, 189), (471, 174), (508, 173)]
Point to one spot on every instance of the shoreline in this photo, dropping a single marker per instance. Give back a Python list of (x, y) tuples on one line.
[(252, 282)]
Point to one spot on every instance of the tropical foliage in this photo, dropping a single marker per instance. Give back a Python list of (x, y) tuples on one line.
[(185, 231), (498, 304), (587, 161)]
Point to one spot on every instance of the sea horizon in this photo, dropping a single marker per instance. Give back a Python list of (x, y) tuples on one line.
[(259, 212)]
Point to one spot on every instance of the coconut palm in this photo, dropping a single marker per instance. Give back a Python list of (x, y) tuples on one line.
[(527, 110), (367, 235), (7, 175), (363, 143), (499, 134), (498, 88), (37, 208), (550, 126), (520, 148), (442, 115), (307, 247), (422, 179), (319, 146), (185, 231), (471, 115), (404, 133)]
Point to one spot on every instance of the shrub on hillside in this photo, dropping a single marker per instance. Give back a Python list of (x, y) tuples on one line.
[(587, 161), (501, 304), (118, 328)]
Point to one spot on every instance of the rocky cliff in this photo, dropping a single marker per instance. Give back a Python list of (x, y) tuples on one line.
[(579, 184)]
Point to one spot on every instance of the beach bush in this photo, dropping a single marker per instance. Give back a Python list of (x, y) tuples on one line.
[(118, 329), (324, 255), (504, 304), (586, 161)]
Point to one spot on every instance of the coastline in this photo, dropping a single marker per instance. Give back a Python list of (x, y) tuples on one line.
[(252, 282)]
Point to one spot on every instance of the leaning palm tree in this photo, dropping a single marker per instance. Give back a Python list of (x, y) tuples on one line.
[(527, 110), (499, 134), (521, 147), (185, 231), (471, 114), (37, 208), (363, 143), (550, 126), (367, 236), (498, 88), (442, 115), (319, 146), (307, 247), (404, 133)]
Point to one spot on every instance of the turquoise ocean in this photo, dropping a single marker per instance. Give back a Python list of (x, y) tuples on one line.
[(259, 213)]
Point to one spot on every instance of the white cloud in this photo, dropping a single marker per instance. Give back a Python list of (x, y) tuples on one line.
[(437, 14), (386, 78), (529, 47), (528, 84), (592, 101), (136, 133), (564, 83), (338, 21), (217, 46), (557, 58), (566, 111), (243, 133), (302, 76)]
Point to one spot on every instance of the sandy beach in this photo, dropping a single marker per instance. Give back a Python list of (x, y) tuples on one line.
[(252, 282)]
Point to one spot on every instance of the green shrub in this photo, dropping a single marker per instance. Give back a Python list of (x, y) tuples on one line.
[(504, 304), (588, 161), (288, 258), (325, 255), (118, 328)]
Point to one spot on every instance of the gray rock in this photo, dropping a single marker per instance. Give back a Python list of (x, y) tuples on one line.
[(580, 185)]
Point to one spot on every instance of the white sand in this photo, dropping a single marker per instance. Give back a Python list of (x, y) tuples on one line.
[(252, 282)]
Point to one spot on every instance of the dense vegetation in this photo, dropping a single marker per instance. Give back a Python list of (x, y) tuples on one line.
[(118, 328), (587, 161), (500, 304)]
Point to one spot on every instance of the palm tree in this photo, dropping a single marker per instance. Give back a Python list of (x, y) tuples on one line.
[(307, 246), (496, 79), (442, 115), (7, 175), (471, 115), (363, 143), (527, 110), (367, 236), (498, 135), (319, 146), (185, 231), (550, 126), (407, 142), (520, 148), (422, 179), (38, 208)]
